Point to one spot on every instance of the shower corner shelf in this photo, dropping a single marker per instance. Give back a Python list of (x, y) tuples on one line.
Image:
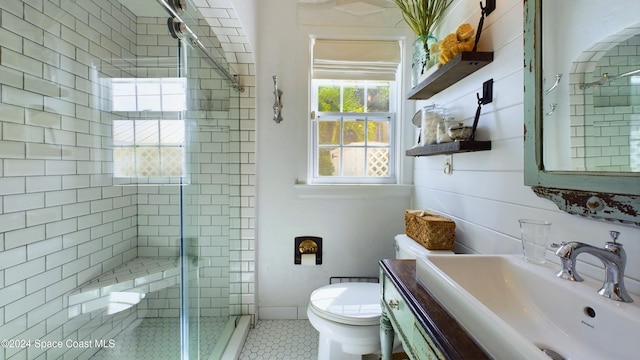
[(461, 66), (450, 148)]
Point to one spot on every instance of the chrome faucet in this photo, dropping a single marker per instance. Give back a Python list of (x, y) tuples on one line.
[(612, 256)]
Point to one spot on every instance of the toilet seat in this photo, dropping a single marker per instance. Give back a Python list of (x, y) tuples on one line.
[(351, 303)]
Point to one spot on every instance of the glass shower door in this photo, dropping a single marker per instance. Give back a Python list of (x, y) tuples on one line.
[(174, 138), (211, 119)]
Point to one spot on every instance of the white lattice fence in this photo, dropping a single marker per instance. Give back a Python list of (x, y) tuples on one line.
[(378, 164)]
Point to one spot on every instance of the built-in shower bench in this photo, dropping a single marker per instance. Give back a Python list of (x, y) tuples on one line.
[(124, 286)]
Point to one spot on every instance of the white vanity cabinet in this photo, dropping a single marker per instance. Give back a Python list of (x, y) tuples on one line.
[(426, 330)]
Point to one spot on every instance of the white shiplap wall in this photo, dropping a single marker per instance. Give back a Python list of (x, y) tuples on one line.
[(485, 194)]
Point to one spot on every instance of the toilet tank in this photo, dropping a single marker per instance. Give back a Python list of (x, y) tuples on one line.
[(407, 248)]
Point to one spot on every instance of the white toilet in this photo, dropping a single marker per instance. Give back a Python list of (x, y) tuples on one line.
[(347, 315)]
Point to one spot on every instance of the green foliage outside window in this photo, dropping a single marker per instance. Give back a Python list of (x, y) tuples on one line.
[(347, 99)]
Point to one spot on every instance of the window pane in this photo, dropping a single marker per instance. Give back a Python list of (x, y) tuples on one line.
[(378, 99), (329, 98), (124, 103), (122, 132), (147, 132), (328, 161), (123, 95), (174, 86), (353, 162), (171, 161), (149, 95), (378, 133), (124, 162), (149, 103), (149, 87), (123, 86), (354, 132), (147, 160), (172, 132), (328, 132), (353, 99), (378, 162), (176, 102)]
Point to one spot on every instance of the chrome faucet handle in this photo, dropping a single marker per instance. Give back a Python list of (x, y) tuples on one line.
[(613, 288), (568, 270), (616, 247), (614, 235)]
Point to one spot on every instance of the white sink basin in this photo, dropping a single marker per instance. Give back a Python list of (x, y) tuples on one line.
[(513, 308)]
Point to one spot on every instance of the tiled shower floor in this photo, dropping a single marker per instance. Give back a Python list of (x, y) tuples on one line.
[(159, 339)]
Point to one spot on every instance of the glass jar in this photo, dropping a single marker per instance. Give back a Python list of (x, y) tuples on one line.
[(431, 116), (443, 126)]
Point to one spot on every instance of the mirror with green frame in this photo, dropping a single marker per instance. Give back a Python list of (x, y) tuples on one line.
[(582, 105)]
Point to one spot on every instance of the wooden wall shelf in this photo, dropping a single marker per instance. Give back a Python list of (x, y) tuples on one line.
[(450, 148), (456, 69)]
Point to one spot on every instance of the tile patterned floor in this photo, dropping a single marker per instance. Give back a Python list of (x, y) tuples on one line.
[(158, 339), (281, 339), (284, 340)]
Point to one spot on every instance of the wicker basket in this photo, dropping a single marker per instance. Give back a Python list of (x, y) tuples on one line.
[(433, 231)]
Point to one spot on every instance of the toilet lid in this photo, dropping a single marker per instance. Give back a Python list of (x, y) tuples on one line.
[(351, 303)]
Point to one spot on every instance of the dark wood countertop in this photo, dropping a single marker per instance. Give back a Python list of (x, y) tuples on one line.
[(445, 331)]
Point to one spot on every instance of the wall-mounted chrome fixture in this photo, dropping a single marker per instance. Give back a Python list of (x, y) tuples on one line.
[(178, 5), (555, 85), (553, 106), (606, 79), (277, 105), (177, 28), (173, 7), (552, 109)]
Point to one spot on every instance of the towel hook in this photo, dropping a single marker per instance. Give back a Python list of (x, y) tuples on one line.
[(277, 105), (555, 85)]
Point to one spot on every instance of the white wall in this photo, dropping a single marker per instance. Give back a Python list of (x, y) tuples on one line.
[(485, 194), (357, 231)]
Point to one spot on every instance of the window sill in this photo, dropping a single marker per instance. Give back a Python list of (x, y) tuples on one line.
[(352, 191)]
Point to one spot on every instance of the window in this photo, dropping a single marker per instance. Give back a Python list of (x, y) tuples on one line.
[(353, 132), (147, 150), (354, 105)]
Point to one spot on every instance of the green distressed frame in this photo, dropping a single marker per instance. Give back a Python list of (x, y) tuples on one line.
[(609, 196)]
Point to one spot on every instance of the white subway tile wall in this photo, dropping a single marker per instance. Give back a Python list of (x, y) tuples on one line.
[(224, 23), (62, 220)]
